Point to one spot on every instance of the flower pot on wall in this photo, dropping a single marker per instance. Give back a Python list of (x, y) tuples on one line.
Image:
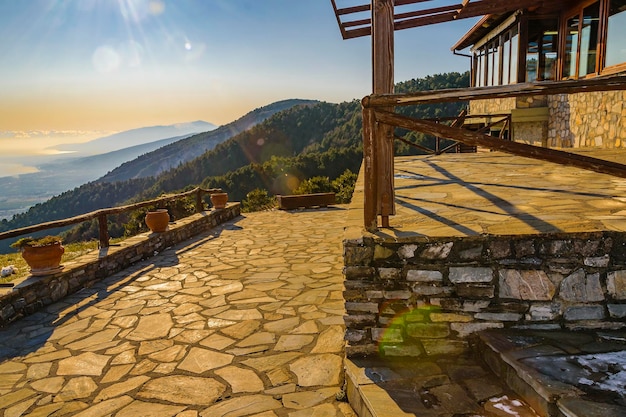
[(219, 200), (44, 260), (157, 220)]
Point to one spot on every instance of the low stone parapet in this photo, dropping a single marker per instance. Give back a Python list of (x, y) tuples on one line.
[(34, 293), (428, 296)]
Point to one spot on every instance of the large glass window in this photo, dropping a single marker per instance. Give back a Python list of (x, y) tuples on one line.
[(514, 55), (541, 54), (496, 61), (616, 34), (480, 69), (589, 39), (571, 47), (506, 58)]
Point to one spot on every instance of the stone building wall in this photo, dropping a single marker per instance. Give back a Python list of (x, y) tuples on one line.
[(37, 292), (427, 298), (582, 120), (499, 106)]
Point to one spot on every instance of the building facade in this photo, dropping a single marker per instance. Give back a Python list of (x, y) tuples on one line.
[(559, 41)]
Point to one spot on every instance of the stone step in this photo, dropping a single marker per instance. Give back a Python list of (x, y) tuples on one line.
[(445, 386), (509, 373), (560, 373)]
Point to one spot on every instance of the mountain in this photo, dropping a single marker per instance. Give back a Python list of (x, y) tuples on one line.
[(170, 156), (134, 137)]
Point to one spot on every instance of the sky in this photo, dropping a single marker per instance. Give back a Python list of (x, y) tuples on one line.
[(75, 70)]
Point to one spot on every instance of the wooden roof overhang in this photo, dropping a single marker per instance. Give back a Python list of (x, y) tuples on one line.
[(354, 16)]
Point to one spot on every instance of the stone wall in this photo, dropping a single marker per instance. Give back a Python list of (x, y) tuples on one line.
[(581, 120), (593, 119), (428, 297), (498, 106), (37, 292)]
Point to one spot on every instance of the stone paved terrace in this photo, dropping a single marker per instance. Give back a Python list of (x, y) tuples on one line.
[(463, 195), (244, 320)]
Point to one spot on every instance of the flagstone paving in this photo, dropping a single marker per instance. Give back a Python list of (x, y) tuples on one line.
[(246, 320)]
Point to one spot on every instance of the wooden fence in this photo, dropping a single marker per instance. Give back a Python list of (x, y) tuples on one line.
[(102, 214)]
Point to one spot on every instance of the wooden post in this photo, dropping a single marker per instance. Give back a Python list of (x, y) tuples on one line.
[(103, 231), (199, 202), (370, 191), (383, 83)]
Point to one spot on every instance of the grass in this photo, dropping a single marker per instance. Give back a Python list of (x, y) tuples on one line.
[(72, 251)]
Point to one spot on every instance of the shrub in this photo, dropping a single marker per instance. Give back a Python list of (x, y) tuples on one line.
[(258, 200)]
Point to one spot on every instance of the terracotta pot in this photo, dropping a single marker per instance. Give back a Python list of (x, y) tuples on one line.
[(43, 260), (157, 220), (219, 200)]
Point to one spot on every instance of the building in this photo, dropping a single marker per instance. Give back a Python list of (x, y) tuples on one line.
[(552, 41)]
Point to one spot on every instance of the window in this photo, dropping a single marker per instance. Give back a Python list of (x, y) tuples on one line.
[(571, 47), (581, 42), (506, 58), (514, 55), (494, 63), (590, 20), (616, 33), (496, 60), (541, 55)]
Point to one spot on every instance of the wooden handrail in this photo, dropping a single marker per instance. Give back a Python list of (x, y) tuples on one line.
[(480, 93), (102, 214)]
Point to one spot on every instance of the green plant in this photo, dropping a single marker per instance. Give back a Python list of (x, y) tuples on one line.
[(35, 242), (344, 186), (258, 200)]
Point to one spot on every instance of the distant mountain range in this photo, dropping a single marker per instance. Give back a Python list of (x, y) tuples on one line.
[(134, 137)]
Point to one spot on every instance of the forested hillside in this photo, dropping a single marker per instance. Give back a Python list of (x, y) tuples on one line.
[(165, 158), (292, 145)]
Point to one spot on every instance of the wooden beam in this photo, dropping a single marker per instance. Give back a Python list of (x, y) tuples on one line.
[(512, 90), (515, 148), (429, 16)]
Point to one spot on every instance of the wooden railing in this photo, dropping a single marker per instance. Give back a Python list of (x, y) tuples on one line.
[(379, 117), (492, 120), (102, 214)]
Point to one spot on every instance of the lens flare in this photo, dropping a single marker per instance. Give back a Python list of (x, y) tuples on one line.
[(105, 59)]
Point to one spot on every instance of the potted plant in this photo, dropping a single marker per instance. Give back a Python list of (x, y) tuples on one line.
[(157, 220), (219, 200), (43, 254)]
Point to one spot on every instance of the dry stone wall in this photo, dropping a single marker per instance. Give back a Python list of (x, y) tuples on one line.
[(428, 298), (37, 292)]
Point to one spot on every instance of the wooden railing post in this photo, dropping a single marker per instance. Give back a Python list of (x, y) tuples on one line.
[(370, 175), (103, 231), (199, 202)]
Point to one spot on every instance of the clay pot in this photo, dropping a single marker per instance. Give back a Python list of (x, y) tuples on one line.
[(157, 220), (219, 200), (44, 260)]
